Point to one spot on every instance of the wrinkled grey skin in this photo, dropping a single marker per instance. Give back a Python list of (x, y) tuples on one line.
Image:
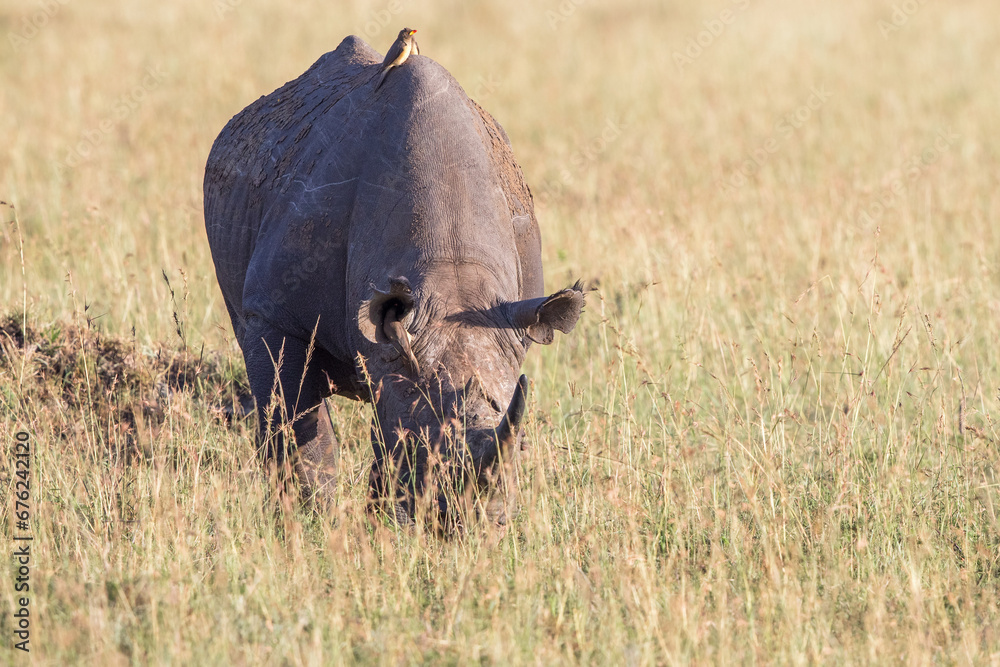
[(340, 216)]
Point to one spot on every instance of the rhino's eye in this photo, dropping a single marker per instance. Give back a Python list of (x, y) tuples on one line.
[(494, 404)]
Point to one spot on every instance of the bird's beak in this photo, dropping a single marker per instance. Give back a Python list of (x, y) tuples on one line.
[(413, 32)]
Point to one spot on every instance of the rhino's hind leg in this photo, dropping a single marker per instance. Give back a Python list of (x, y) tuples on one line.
[(292, 397)]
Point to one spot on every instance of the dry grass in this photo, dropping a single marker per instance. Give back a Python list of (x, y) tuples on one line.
[(772, 438)]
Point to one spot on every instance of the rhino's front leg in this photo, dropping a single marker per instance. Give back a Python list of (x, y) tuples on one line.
[(317, 453), (290, 392)]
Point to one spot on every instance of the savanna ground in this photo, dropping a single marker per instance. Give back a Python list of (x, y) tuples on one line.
[(772, 437)]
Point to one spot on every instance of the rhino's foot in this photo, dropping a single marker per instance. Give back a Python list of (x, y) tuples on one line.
[(316, 456)]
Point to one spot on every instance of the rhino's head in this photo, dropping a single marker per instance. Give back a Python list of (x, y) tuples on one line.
[(448, 393)]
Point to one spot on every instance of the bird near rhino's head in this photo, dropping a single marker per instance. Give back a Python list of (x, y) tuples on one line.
[(448, 393)]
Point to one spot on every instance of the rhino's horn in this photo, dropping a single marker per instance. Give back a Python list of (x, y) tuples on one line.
[(505, 435)]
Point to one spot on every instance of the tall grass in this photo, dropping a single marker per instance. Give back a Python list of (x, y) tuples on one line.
[(772, 437)]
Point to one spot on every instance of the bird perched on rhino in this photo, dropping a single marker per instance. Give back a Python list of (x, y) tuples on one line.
[(404, 46)]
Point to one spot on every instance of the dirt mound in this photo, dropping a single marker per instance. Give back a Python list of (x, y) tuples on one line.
[(114, 382)]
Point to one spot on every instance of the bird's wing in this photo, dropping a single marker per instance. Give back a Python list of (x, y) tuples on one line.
[(394, 52)]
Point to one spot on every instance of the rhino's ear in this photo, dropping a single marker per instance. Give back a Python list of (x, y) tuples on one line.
[(540, 317), (377, 313)]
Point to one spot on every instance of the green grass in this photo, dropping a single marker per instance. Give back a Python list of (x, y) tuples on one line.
[(772, 437)]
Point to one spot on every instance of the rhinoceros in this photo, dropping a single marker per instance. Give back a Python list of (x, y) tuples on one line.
[(382, 245)]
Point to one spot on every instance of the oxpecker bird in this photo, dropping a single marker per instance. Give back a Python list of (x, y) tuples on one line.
[(401, 49)]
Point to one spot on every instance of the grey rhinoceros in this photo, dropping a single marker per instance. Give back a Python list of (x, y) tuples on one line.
[(382, 245)]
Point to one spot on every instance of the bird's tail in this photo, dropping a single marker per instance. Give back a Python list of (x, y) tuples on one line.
[(382, 78)]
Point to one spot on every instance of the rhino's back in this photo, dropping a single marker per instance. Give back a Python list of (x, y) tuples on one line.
[(259, 152), (286, 219)]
